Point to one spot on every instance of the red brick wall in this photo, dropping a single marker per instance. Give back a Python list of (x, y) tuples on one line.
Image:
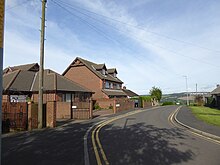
[(146, 104), (47, 97), (5, 98), (63, 110), (124, 104), (51, 114), (105, 103), (32, 116), (83, 76)]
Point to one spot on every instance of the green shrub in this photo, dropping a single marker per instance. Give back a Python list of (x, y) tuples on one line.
[(96, 106), (110, 107), (167, 103)]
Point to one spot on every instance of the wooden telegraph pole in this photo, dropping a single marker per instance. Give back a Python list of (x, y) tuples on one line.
[(41, 72), (2, 18)]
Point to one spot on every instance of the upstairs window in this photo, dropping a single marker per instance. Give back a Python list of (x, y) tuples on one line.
[(111, 85), (118, 86), (107, 85), (103, 71)]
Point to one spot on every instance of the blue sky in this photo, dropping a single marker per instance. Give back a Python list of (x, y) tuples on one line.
[(150, 42)]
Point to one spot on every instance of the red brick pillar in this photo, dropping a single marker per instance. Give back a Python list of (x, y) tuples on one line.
[(51, 114), (90, 108), (32, 116), (114, 106)]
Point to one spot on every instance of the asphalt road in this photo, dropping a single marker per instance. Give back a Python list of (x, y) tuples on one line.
[(58, 146), (143, 138), (149, 138)]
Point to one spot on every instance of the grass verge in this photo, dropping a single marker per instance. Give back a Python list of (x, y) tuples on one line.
[(208, 115)]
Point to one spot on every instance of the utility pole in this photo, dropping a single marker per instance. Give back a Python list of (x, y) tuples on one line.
[(187, 94), (41, 71), (196, 88), (2, 20)]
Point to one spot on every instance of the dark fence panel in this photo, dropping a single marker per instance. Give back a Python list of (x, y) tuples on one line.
[(14, 116)]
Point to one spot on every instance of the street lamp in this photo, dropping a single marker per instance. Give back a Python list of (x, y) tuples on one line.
[(187, 95)]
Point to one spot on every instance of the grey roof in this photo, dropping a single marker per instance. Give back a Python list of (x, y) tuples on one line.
[(93, 67), (55, 82), (129, 93), (112, 70), (18, 81), (27, 81), (216, 91), (111, 92), (27, 67), (100, 66)]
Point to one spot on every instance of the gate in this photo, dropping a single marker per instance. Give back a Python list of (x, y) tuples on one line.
[(81, 114), (80, 110), (14, 116)]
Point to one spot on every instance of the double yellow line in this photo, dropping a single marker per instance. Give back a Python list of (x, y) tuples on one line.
[(172, 118), (97, 146)]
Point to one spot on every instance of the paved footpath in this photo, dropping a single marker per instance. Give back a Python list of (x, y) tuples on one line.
[(186, 117)]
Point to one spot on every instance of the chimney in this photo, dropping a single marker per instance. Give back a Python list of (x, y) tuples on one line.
[(217, 85), (124, 87)]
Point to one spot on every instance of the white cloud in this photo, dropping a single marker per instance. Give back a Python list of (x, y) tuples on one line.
[(142, 58)]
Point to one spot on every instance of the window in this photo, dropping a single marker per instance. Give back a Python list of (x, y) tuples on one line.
[(118, 86), (111, 85), (103, 71), (107, 84), (66, 97), (114, 74)]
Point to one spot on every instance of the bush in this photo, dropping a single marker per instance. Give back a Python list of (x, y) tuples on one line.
[(96, 106), (110, 107), (167, 103)]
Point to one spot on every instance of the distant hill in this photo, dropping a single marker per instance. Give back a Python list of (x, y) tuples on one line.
[(173, 97)]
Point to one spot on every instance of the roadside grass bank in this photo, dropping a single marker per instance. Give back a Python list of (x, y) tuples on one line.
[(208, 115)]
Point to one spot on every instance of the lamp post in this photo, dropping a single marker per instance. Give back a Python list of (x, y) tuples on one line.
[(187, 94)]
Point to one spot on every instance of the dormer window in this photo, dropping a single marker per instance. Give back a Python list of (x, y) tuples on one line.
[(114, 75), (103, 71)]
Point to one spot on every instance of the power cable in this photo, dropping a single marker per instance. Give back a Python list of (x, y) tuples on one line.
[(20, 4), (89, 24), (155, 45), (96, 29), (142, 28)]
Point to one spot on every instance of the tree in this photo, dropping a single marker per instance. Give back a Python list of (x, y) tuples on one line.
[(156, 93)]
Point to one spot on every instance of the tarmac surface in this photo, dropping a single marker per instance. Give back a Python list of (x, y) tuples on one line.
[(147, 137), (186, 117)]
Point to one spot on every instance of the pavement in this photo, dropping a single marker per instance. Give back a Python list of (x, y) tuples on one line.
[(186, 117), (106, 112)]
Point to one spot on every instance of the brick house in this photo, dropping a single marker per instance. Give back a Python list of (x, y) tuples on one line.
[(23, 81), (129, 92), (96, 77), (20, 84), (216, 95)]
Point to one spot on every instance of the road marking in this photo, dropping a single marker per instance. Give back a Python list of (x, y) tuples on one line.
[(173, 120), (86, 152), (95, 136)]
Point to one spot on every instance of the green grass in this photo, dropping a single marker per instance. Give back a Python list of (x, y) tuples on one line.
[(208, 115)]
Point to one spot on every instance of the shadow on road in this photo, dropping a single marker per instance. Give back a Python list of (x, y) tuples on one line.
[(62, 145), (144, 144)]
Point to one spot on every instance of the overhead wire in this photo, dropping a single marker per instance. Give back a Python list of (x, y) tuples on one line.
[(142, 28), (20, 4), (93, 27), (148, 42), (86, 22)]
